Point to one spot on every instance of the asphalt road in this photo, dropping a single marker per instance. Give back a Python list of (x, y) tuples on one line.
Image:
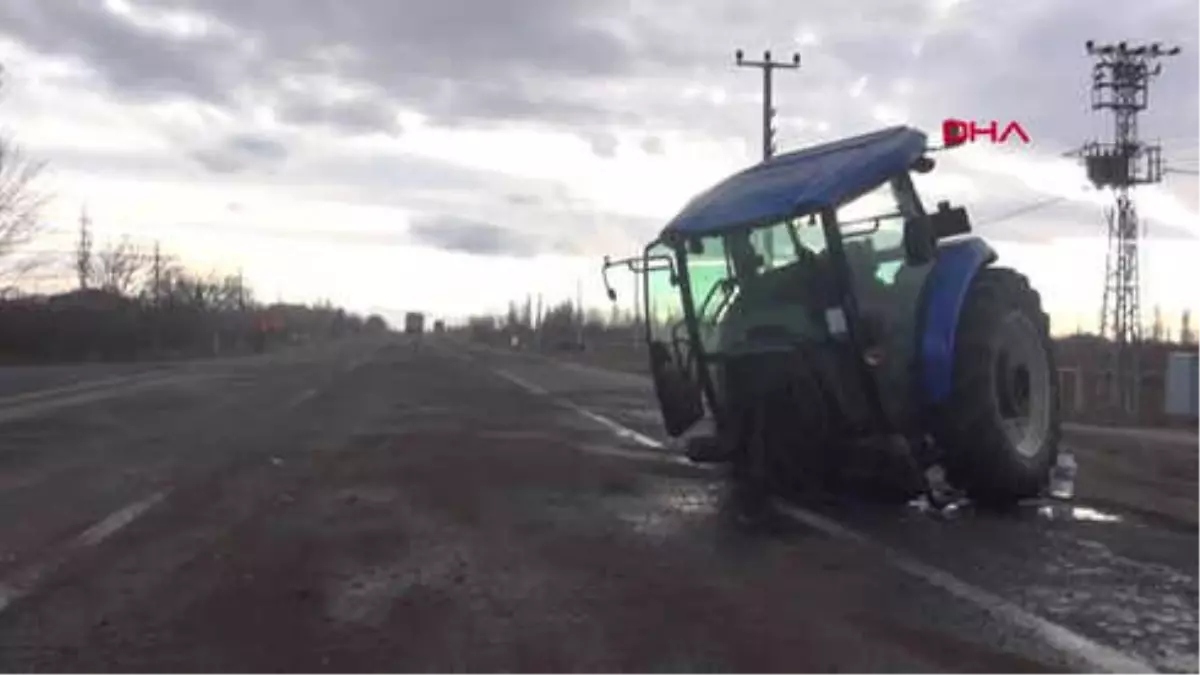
[(366, 506)]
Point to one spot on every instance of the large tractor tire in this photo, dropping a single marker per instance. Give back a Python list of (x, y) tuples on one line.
[(782, 421), (1000, 430)]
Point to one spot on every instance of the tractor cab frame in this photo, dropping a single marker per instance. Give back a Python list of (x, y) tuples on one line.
[(820, 272), (827, 258)]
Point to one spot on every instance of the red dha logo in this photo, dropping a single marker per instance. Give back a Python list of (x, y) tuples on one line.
[(957, 132)]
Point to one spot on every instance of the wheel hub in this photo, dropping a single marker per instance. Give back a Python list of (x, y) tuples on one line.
[(1022, 384)]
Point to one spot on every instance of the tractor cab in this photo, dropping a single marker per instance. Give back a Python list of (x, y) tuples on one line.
[(820, 266), (763, 262)]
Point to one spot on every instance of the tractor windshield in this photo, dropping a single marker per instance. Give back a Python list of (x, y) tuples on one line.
[(724, 268)]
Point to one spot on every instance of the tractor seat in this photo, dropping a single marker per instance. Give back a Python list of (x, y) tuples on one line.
[(808, 282)]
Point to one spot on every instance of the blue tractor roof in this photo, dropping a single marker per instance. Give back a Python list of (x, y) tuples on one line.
[(801, 182)]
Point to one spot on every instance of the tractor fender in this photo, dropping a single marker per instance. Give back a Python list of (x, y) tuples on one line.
[(944, 293)]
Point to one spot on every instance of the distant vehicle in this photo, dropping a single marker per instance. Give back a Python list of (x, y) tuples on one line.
[(414, 323), (439, 326)]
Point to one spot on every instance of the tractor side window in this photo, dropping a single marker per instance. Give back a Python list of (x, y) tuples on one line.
[(872, 229), (809, 234), (709, 270), (780, 244), (664, 308)]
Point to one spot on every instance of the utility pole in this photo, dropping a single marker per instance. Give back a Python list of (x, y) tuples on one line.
[(156, 298), (539, 334), (241, 290), (579, 310), (768, 67), (83, 255), (1120, 82)]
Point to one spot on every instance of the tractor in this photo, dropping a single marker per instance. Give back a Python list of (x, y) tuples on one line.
[(829, 327)]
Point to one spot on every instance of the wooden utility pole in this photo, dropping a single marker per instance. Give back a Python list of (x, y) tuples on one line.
[(767, 66), (83, 254)]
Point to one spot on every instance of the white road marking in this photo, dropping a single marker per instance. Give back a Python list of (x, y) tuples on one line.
[(117, 520), (86, 385), (1089, 654), (527, 386), (49, 404), (617, 428), (1092, 655), (26, 581)]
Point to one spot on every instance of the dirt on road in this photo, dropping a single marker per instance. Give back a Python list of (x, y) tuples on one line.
[(369, 507)]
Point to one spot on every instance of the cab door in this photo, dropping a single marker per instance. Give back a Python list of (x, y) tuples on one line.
[(889, 253), (659, 320), (674, 360)]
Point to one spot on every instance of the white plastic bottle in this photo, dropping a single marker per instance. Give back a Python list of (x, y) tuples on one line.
[(1062, 476)]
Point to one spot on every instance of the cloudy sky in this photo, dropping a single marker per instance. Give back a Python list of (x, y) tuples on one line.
[(453, 155)]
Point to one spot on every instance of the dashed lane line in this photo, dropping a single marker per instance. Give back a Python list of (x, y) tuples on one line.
[(1085, 653), (27, 580), (45, 405), (621, 431), (78, 387)]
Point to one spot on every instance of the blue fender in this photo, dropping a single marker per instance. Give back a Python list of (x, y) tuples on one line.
[(944, 292)]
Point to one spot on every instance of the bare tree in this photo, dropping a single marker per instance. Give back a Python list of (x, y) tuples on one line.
[(20, 203), (121, 267)]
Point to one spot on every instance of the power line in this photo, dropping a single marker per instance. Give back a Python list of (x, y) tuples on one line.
[(1035, 206)]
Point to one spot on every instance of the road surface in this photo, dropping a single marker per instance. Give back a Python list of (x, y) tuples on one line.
[(365, 506)]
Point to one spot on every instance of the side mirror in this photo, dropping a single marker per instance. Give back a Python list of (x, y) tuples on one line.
[(949, 222), (608, 289), (920, 245)]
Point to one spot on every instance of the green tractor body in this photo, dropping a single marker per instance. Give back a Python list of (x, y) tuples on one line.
[(812, 306)]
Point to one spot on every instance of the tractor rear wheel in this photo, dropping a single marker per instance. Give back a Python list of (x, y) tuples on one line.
[(1000, 430)]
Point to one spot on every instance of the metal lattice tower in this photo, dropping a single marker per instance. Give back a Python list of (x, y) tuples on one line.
[(1120, 83)]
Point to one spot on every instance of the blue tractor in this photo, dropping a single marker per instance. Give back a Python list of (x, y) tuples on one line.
[(829, 324)]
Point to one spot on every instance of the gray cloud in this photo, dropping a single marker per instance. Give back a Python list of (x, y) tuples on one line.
[(243, 151), (454, 61), (134, 61), (604, 144), (595, 67), (559, 231), (523, 199), (361, 115), (463, 62), (462, 235), (652, 145)]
